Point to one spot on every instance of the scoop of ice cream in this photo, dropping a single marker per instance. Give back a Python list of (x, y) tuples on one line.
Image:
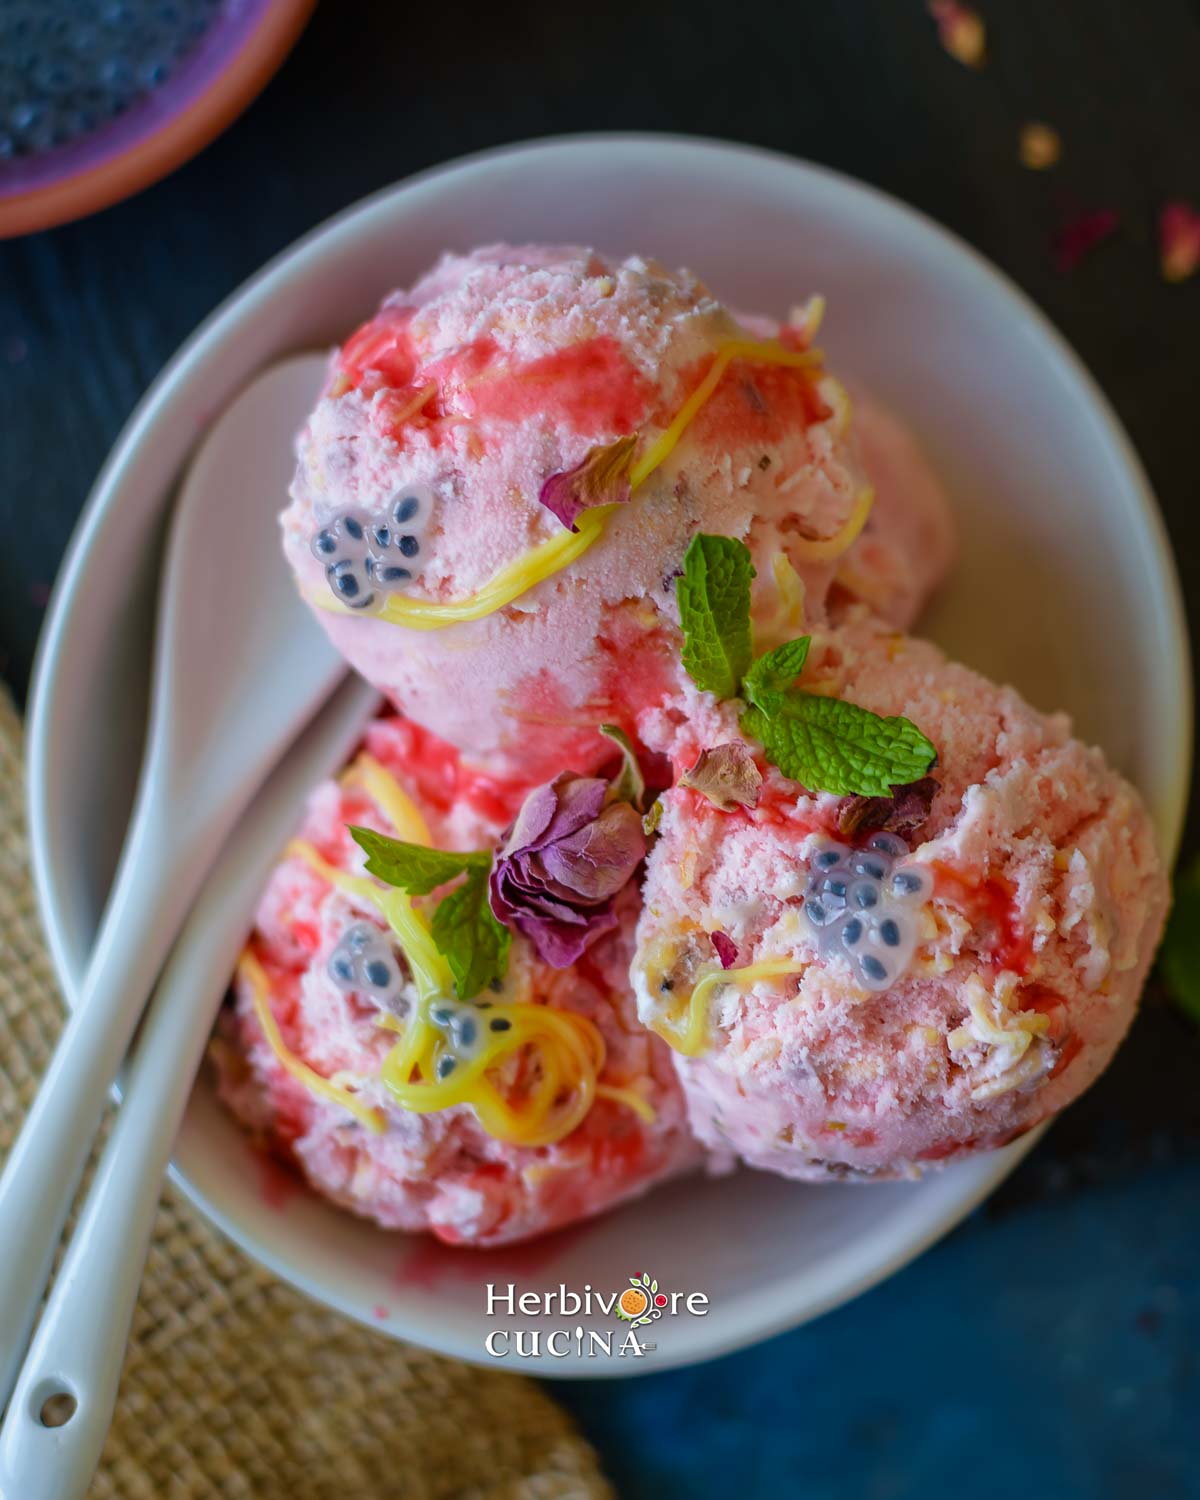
[(516, 393), (909, 542), (325, 996), (865, 986)]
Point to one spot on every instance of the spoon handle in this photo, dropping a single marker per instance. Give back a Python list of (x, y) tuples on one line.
[(79, 1346), (43, 1169)]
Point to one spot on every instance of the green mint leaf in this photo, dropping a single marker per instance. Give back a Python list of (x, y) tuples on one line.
[(629, 785), (413, 867), (1179, 956), (829, 745), (776, 671), (714, 609), (469, 937)]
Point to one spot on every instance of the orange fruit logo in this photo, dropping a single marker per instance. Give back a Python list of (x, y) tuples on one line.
[(634, 1302)]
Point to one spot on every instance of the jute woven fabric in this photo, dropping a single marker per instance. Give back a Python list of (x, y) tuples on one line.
[(236, 1385)]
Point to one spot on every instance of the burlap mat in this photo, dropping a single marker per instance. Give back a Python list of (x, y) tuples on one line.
[(236, 1385)]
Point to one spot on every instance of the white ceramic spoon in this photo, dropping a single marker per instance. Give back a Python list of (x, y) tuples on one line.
[(239, 668), (79, 1347)]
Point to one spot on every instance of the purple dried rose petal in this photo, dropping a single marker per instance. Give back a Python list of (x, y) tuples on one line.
[(602, 478), (904, 812), (726, 949), (726, 775), (563, 863)]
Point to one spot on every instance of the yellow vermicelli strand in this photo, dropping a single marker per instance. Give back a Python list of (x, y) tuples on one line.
[(550, 557), (250, 970), (764, 354), (390, 797), (632, 1098), (687, 1030), (829, 548)]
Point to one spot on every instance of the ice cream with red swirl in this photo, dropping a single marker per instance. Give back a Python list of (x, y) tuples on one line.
[(864, 986), (495, 491)]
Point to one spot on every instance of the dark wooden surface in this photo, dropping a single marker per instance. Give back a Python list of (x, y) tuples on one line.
[(1049, 1346)]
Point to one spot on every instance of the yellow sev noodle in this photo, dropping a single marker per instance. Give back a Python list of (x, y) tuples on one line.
[(253, 973), (565, 1051), (687, 1029), (551, 556)]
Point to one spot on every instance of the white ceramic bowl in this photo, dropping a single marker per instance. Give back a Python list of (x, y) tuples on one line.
[(1066, 588)]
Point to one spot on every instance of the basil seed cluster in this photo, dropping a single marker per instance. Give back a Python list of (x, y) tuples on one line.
[(464, 1031), (863, 906), (366, 559), (365, 961)]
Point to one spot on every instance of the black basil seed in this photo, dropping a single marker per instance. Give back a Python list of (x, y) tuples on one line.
[(890, 933), (440, 1014), (852, 932), (378, 974), (466, 1033), (816, 912), (342, 969), (827, 859), (409, 546), (905, 884), (395, 575), (872, 968), (836, 887), (325, 542), (501, 1023), (866, 896), (406, 509), (445, 1067), (353, 527), (347, 584)]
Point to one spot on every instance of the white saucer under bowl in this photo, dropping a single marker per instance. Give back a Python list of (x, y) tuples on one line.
[(1066, 588)]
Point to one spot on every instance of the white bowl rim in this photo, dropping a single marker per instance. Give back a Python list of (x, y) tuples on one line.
[(769, 1314)]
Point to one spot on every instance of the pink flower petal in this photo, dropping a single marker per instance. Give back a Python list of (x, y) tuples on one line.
[(726, 949), (602, 478)]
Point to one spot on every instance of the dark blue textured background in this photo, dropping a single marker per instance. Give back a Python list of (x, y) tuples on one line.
[(1050, 1347)]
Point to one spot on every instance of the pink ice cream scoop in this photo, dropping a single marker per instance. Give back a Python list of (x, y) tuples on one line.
[(863, 986), (324, 995), (496, 489)]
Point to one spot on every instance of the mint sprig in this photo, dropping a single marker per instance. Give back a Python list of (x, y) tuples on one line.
[(829, 745), (465, 931), (826, 744), (776, 671), (714, 606), (467, 934)]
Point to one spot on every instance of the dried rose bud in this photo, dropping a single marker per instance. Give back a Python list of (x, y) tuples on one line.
[(726, 775), (602, 478), (563, 863), (904, 812)]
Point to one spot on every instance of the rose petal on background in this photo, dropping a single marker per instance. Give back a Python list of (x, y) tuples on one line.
[(904, 812), (1039, 146), (1080, 236), (961, 31), (1179, 240)]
